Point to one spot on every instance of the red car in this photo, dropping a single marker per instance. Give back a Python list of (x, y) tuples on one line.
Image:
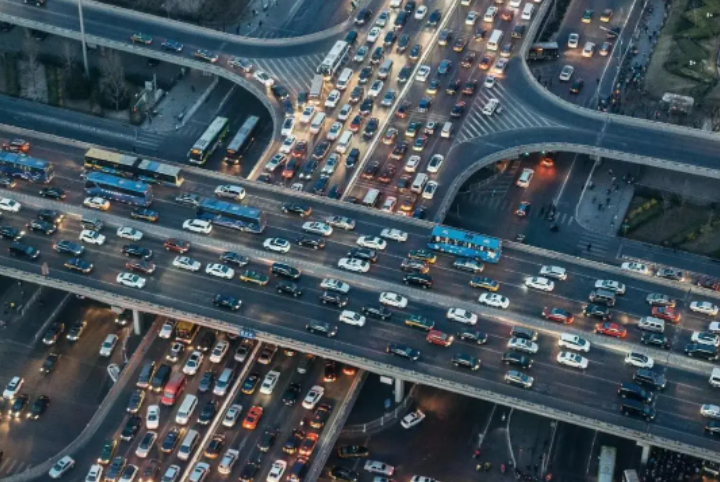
[(557, 314), (176, 245), (611, 329), (402, 110), (140, 265), (666, 313), (252, 418), (356, 123), (290, 168), (300, 149), (308, 445)]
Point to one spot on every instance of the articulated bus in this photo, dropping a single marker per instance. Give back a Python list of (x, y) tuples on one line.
[(133, 167), (118, 189), (229, 215), (241, 142), (335, 58), (462, 243), (27, 168), (185, 332), (606, 464), (209, 141)]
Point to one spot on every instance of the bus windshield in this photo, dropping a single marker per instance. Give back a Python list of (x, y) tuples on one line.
[(462, 243), (27, 168), (229, 215), (209, 141), (241, 142), (118, 189)]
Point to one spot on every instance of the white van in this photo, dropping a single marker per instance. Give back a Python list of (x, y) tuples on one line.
[(495, 39), (446, 130), (344, 79), (385, 69), (317, 122), (371, 198), (223, 382), (419, 183), (188, 445), (650, 323), (528, 11), (186, 409), (525, 177), (344, 142), (715, 377), (490, 107)]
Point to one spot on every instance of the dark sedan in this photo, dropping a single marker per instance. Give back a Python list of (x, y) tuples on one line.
[(8, 232), (137, 251), (296, 208)]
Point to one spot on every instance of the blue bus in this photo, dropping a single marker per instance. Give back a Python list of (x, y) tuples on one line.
[(462, 243), (27, 168), (133, 167), (118, 189), (235, 216)]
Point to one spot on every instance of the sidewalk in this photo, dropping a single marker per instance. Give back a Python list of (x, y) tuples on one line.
[(180, 103)]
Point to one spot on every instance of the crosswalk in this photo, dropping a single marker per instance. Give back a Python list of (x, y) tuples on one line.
[(149, 139), (499, 204), (599, 243), (11, 466), (295, 74), (513, 116), (497, 185)]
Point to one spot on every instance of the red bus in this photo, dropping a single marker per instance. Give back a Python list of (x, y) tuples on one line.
[(174, 389)]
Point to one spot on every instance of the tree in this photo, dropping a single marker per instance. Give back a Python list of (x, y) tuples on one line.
[(31, 52), (112, 79)]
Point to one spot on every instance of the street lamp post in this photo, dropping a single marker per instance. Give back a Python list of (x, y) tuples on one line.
[(82, 37)]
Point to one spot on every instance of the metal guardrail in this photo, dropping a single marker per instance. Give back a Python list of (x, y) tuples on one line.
[(385, 419)]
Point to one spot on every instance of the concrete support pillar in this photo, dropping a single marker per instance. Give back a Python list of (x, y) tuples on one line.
[(597, 159), (645, 452), (136, 322), (399, 390)]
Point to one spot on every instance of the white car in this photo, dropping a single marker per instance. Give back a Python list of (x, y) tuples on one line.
[(307, 114), (228, 460), (610, 285), (61, 466), (555, 272), (574, 342), (377, 467), (635, 267), (131, 280), (344, 113), (232, 415), (287, 127), (316, 227), (334, 131), (13, 387), (220, 270), (393, 299), (423, 73), (129, 233), (522, 344), (263, 78), (421, 12), (352, 318), (412, 419), (588, 50), (490, 14), (573, 40), (152, 419), (500, 65), (429, 190), (639, 360), (540, 283), (11, 205), (276, 161), (108, 345), (471, 18), (268, 384), (231, 191), (199, 472), (704, 307), (146, 444), (372, 242), (573, 360), (193, 363), (90, 202), (219, 351), (566, 73), (489, 81), (277, 245), (313, 397), (94, 474), (354, 265), (705, 338), (436, 162), (276, 471), (412, 164), (187, 263), (335, 285), (330, 166), (462, 316), (92, 237), (375, 88), (373, 35), (495, 300), (394, 234), (361, 54), (332, 99), (382, 18), (197, 226), (710, 411), (288, 144), (172, 473)]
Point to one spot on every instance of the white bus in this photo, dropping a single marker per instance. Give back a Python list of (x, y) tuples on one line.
[(241, 142), (316, 89), (495, 39), (209, 141), (630, 476), (606, 464), (332, 62)]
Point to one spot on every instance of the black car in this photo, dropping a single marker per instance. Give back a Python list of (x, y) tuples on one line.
[(321, 185), (249, 470), (225, 301), (145, 215), (649, 378), (250, 383), (463, 360), (473, 336), (418, 279), (231, 257), (404, 74), (293, 441), (290, 288), (206, 382), (50, 362), (279, 92), (365, 74), (656, 339), (453, 86), (321, 328), (404, 351), (377, 55), (76, 330), (377, 311), (366, 107), (514, 358), (19, 405), (280, 269), (107, 451), (78, 264), (22, 249), (296, 208), (137, 251), (403, 43), (330, 374), (371, 170), (344, 474), (291, 395), (41, 226), (132, 425), (598, 311), (207, 340), (64, 246), (208, 412), (151, 471), (321, 415), (53, 193), (335, 192), (353, 452), (307, 241), (267, 440), (357, 94), (117, 466), (434, 18), (363, 16), (713, 427), (53, 333), (371, 127), (366, 254), (352, 158), (51, 216), (171, 440), (8, 232), (137, 397), (390, 38), (188, 199), (699, 350), (328, 297)]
